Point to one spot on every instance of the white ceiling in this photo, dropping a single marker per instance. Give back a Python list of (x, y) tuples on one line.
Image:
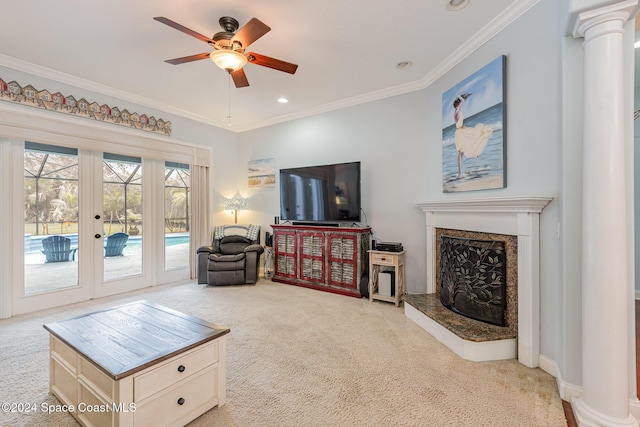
[(346, 50)]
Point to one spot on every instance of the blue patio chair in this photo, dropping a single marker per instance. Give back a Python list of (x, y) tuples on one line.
[(57, 249), (115, 244)]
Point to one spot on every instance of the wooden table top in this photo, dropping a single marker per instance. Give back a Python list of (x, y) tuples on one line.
[(131, 337)]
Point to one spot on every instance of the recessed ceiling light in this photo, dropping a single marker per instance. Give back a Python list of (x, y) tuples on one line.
[(456, 4), (282, 100), (404, 65)]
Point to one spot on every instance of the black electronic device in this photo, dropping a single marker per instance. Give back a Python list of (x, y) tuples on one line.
[(325, 194), (389, 246)]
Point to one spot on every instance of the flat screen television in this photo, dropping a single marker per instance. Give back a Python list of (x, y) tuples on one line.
[(323, 194)]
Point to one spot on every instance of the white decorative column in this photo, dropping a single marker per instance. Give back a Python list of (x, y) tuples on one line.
[(605, 321)]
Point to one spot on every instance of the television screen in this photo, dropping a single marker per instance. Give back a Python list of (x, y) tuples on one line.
[(327, 193)]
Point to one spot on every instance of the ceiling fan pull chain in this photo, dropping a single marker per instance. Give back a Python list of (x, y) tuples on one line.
[(229, 89)]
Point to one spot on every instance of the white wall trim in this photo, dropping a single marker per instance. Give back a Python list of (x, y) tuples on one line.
[(508, 16), (48, 73), (6, 255), (27, 123), (567, 390)]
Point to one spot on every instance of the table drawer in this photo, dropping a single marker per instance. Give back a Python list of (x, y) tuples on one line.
[(382, 259), (174, 370), (181, 403)]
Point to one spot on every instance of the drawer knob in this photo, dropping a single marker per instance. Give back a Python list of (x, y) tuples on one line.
[(181, 401), (181, 368)]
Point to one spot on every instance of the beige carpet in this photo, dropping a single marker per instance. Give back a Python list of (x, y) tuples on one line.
[(299, 357)]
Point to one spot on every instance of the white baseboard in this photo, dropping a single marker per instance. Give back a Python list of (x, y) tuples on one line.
[(567, 390), (548, 365), (634, 407)]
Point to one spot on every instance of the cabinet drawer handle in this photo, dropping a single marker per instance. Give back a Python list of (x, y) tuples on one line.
[(181, 368), (181, 401)]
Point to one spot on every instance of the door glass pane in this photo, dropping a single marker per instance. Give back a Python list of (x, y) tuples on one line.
[(177, 203), (122, 208), (50, 218)]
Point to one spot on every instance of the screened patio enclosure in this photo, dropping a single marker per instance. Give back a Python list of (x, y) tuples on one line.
[(52, 207)]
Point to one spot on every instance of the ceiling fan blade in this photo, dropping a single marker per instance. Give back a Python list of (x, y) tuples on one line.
[(276, 64), (190, 58), (240, 78), (182, 28), (252, 31)]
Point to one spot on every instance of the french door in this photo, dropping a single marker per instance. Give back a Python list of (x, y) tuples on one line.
[(51, 232), (70, 194), (91, 227)]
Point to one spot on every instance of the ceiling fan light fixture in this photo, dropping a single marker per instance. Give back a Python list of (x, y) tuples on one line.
[(228, 60)]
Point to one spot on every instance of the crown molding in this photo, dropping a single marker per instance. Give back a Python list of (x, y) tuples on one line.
[(337, 105), (40, 71), (508, 16)]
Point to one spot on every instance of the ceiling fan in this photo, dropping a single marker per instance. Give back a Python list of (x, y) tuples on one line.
[(229, 48)]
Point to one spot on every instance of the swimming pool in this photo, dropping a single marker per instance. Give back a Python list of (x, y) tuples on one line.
[(33, 244), (135, 241)]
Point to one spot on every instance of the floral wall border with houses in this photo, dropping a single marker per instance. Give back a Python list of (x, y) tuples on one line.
[(43, 99)]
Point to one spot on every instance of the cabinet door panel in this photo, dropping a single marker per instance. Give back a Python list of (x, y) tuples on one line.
[(286, 254), (342, 260), (312, 256)]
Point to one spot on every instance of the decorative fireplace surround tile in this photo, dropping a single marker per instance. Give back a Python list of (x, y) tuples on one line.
[(512, 216)]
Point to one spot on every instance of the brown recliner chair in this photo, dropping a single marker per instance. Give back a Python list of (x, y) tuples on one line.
[(233, 257)]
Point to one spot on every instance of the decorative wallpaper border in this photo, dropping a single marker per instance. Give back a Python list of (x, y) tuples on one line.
[(43, 99)]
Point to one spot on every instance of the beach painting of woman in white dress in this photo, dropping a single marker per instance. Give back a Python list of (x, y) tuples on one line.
[(473, 124)]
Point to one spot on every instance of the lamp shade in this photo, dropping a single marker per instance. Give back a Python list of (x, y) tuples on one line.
[(227, 59), (236, 203)]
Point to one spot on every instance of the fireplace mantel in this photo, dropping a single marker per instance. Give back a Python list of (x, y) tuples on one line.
[(518, 216), (526, 204)]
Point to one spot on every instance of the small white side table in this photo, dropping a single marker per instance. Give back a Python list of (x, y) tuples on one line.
[(379, 259)]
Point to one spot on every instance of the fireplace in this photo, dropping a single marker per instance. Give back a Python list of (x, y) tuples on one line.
[(473, 278), (517, 218), (506, 323)]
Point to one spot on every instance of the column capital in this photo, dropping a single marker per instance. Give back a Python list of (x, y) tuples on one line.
[(620, 11)]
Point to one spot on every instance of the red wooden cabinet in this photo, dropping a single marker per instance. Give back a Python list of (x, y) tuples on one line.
[(332, 259)]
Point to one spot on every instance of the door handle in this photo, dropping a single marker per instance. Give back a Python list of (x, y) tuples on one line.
[(97, 236)]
